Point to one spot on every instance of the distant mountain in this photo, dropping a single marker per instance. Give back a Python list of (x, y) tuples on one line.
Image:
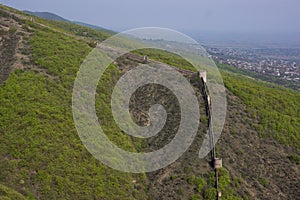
[(88, 25), (52, 16), (47, 15)]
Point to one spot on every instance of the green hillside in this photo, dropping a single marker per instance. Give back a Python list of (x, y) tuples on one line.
[(42, 156), (41, 153), (276, 109)]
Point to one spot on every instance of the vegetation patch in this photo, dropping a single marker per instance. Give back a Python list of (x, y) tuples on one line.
[(276, 109)]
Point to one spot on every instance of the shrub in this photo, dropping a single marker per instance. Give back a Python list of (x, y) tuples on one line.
[(210, 193)]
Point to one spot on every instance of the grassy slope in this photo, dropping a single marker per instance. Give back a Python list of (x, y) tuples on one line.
[(166, 57), (41, 154), (77, 29), (276, 109)]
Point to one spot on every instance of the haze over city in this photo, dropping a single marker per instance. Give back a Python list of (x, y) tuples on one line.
[(256, 16)]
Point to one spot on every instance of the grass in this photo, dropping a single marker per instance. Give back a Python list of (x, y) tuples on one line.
[(41, 154), (205, 185), (276, 109), (74, 29), (294, 158), (61, 56), (166, 57), (46, 152), (265, 182), (9, 194)]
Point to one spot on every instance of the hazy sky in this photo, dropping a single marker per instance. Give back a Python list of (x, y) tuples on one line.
[(212, 15)]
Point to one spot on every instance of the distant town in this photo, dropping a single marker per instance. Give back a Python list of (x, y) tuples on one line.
[(280, 62)]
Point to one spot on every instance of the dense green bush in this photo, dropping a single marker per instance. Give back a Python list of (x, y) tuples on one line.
[(41, 153), (295, 158), (276, 109), (210, 193), (9, 194)]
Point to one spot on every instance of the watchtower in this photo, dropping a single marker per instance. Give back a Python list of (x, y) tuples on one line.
[(202, 74), (218, 163)]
